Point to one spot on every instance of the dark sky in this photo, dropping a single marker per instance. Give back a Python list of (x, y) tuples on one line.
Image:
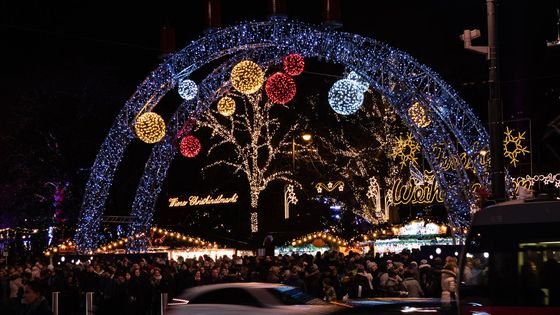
[(69, 66)]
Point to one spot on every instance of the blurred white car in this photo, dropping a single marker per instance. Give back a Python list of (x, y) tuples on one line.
[(248, 298)]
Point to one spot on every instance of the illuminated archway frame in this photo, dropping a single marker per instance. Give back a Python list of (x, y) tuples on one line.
[(397, 75)]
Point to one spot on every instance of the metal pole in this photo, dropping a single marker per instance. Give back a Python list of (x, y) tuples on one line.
[(54, 297), (293, 155), (163, 304), (89, 303), (495, 109)]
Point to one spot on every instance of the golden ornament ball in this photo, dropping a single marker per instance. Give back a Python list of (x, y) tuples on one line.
[(247, 77), (150, 127)]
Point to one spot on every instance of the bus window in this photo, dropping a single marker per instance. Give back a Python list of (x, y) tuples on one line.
[(513, 265)]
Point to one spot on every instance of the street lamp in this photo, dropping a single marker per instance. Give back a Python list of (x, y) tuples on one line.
[(305, 137)]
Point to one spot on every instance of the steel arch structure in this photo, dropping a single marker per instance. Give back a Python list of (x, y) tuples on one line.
[(401, 78)]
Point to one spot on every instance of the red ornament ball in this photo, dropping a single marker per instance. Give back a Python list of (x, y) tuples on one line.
[(293, 64), (280, 88), (189, 146)]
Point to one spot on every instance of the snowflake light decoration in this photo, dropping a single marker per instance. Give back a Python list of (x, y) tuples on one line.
[(513, 146), (405, 148)]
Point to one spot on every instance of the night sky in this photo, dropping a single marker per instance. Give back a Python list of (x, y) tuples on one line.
[(69, 67)]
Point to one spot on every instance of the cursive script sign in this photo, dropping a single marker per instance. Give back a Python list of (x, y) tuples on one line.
[(194, 200)]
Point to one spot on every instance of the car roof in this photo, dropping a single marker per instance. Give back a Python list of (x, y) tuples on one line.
[(195, 291), (519, 212)]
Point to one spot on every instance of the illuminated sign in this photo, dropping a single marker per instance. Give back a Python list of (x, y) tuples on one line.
[(175, 202), (404, 192)]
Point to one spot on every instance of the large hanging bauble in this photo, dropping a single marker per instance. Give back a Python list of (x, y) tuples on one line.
[(187, 89), (189, 146), (419, 116), (293, 64), (280, 88), (247, 77), (226, 106), (359, 80), (150, 127), (346, 97)]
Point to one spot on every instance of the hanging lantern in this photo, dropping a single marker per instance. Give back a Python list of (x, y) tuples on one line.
[(189, 146), (346, 97), (226, 106), (247, 77), (293, 64), (418, 115), (187, 89), (150, 127), (280, 88)]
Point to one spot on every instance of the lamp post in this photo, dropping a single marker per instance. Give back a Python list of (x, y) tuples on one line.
[(305, 137)]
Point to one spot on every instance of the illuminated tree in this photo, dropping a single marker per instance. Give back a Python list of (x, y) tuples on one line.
[(250, 138)]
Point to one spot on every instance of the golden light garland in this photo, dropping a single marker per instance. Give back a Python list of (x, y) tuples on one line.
[(183, 237), (517, 149), (310, 238), (64, 247), (226, 106), (254, 222), (419, 116), (247, 77), (150, 127)]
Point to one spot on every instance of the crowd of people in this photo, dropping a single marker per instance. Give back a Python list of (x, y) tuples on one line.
[(123, 285)]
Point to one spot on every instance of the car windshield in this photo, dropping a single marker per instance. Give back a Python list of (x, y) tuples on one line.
[(294, 296), (511, 265)]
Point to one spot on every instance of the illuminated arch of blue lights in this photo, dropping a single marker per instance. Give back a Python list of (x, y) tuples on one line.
[(398, 76)]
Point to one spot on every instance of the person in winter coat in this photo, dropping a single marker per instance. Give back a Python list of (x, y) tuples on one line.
[(448, 282), (35, 302), (412, 285)]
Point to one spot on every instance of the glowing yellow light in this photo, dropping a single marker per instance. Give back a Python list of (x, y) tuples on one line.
[(47, 253), (405, 149), (150, 127), (513, 146), (247, 77), (293, 243), (306, 136), (55, 250), (226, 106), (418, 115)]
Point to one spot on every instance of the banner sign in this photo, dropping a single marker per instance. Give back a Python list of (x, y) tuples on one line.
[(194, 200)]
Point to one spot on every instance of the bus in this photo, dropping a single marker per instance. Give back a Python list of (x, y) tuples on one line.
[(509, 264)]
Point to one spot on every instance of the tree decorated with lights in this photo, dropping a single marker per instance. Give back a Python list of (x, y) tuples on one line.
[(251, 136)]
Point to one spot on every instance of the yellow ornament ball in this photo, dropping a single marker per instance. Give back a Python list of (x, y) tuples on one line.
[(226, 106), (419, 116), (247, 77), (150, 127)]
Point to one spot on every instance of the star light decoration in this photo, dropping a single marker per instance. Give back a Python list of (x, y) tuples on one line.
[(226, 106), (517, 147), (190, 146), (187, 89), (418, 115), (293, 64), (406, 149), (280, 88), (150, 127), (247, 77)]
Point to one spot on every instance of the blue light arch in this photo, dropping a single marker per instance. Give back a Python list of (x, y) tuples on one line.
[(398, 76)]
